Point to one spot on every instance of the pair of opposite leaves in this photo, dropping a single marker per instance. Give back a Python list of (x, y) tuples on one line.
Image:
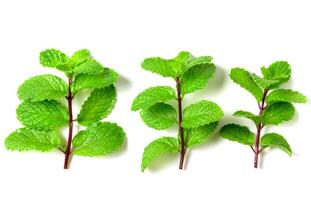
[(42, 114)]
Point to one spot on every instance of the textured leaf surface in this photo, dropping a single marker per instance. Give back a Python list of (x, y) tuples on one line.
[(98, 106), (45, 115), (244, 79), (98, 139), (196, 77), (159, 116), (279, 71), (160, 66), (202, 60), (255, 118), (159, 147), (237, 133), (90, 66), (42, 87), (263, 83), (26, 139), (278, 112), (81, 56), (152, 96), (201, 113), (276, 141), (91, 81), (54, 58), (286, 95), (200, 135)]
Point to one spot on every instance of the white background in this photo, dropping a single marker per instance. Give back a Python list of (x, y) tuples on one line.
[(120, 34)]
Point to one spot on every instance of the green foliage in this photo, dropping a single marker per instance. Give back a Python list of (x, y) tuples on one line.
[(159, 116), (275, 140), (159, 147), (201, 113), (255, 118), (43, 113), (275, 107), (98, 106), (152, 96), (99, 139), (196, 122), (26, 139), (237, 133), (278, 112), (244, 79), (39, 88), (199, 135), (286, 95)]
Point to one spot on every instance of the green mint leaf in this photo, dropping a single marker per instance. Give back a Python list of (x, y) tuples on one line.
[(42, 87), (91, 81), (255, 118), (237, 133), (278, 112), (159, 147), (201, 113), (152, 96), (98, 106), (98, 139), (26, 139), (158, 65), (286, 95), (244, 79), (196, 77), (55, 59), (202, 60), (43, 115), (263, 83), (89, 67), (159, 116), (276, 141), (81, 56), (199, 135), (279, 71)]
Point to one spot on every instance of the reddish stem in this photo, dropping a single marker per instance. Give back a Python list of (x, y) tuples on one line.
[(70, 124), (260, 126), (181, 129)]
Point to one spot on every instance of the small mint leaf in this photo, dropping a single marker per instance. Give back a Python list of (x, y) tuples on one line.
[(237, 133), (278, 112), (199, 135), (55, 59), (286, 95), (275, 140)]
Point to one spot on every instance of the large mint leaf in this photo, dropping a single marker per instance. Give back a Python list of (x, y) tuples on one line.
[(157, 148), (275, 140), (244, 79), (26, 139), (286, 95), (42, 87), (98, 106), (199, 135), (159, 116), (196, 77), (98, 139), (56, 59), (201, 113), (237, 133), (152, 96), (45, 115), (93, 81), (279, 71), (278, 112)]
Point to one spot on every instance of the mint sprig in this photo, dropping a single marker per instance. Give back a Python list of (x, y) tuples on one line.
[(195, 123), (43, 113), (274, 103)]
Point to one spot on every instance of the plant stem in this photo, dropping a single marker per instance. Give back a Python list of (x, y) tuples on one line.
[(70, 124), (181, 129), (260, 126)]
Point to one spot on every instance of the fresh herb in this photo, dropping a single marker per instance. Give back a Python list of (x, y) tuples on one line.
[(195, 123), (274, 103), (42, 111)]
